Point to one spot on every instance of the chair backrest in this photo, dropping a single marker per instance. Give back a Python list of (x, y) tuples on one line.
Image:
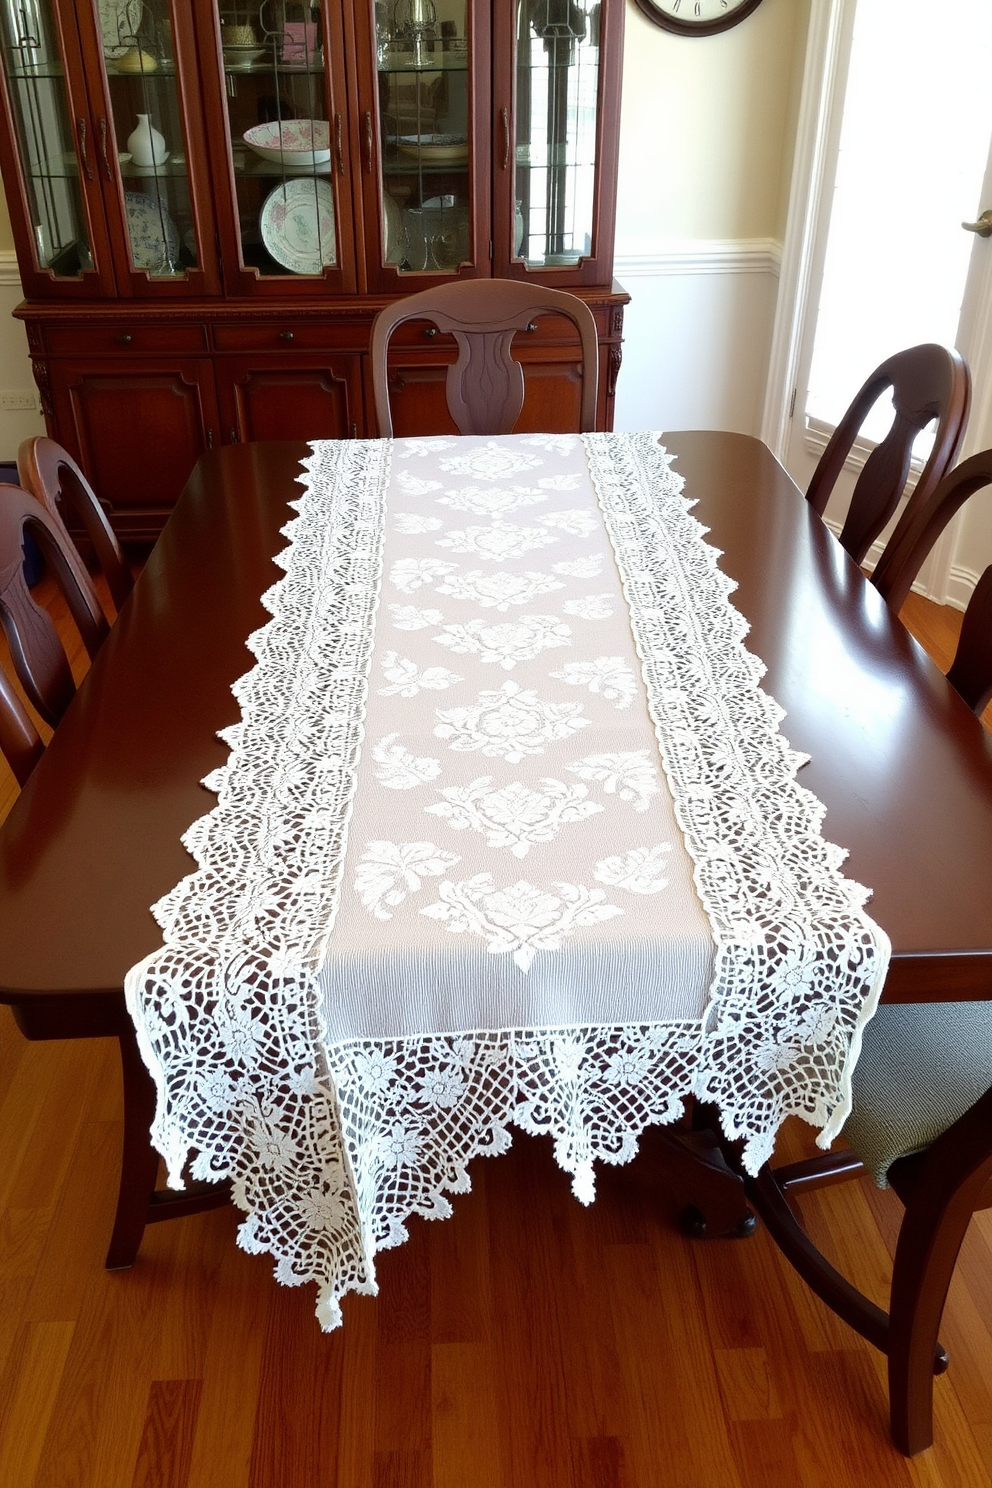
[(928, 382), (905, 552), (20, 742), (971, 669), (51, 474), (39, 658), (485, 386)]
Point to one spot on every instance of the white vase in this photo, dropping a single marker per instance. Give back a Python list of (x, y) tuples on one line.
[(146, 144)]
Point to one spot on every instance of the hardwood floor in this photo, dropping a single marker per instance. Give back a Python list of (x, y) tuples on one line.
[(526, 1343)]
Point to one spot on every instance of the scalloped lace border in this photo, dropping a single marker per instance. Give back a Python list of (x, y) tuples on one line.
[(330, 1150)]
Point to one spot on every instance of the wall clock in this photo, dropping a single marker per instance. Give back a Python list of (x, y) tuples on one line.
[(697, 17)]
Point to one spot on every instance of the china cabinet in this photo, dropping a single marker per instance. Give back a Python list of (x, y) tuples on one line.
[(211, 200)]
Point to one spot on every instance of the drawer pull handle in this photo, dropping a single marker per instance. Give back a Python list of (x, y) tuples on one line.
[(532, 326), (125, 338), (285, 335), (431, 331)]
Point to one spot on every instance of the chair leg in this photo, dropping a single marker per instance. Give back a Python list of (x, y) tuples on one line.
[(828, 1284), (139, 1160), (139, 1202), (927, 1251)]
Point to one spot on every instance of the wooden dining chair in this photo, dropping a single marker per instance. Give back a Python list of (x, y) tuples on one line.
[(485, 385), (922, 1088), (50, 473), (971, 670), (905, 553), (42, 667), (928, 383), (921, 1123), (919, 529), (20, 742), (37, 653)]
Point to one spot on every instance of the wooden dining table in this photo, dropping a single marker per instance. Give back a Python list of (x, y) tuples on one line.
[(903, 768)]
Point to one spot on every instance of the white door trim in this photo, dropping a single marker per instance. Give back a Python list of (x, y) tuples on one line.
[(828, 45)]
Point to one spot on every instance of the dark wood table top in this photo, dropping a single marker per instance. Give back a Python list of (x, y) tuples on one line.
[(903, 767)]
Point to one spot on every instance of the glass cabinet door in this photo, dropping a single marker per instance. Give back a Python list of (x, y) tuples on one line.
[(555, 186), (55, 152), (422, 60), (146, 142), (282, 77), (557, 79), (429, 91)]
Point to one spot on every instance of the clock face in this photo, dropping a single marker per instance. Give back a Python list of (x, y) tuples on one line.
[(697, 17)]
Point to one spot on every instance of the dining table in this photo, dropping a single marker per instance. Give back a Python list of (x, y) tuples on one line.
[(430, 788)]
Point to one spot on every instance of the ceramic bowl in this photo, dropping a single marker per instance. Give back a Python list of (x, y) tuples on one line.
[(242, 58), (294, 142)]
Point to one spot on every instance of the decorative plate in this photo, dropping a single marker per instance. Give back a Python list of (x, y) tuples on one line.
[(119, 22), (154, 236), (450, 149), (297, 224)]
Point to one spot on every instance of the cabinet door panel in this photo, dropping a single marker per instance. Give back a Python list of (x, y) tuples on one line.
[(137, 430), (48, 152), (275, 398), (424, 141), (556, 76), (149, 147), (275, 98)]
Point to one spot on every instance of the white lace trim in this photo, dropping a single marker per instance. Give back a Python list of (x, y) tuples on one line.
[(800, 966), (331, 1150)]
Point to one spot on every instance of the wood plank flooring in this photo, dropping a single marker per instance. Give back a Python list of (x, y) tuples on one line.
[(526, 1343)]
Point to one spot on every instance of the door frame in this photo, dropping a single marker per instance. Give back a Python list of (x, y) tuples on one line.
[(828, 48), (821, 108)]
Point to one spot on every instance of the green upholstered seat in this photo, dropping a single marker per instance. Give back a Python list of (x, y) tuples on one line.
[(922, 1065)]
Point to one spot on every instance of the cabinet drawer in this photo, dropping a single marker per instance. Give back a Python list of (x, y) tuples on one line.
[(124, 339), (291, 335)]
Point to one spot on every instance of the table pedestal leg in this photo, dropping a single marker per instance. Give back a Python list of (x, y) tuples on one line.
[(710, 1194)]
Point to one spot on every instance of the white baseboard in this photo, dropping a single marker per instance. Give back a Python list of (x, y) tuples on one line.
[(960, 586), (702, 256)]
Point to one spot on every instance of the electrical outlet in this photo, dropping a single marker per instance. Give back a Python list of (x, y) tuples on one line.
[(10, 401)]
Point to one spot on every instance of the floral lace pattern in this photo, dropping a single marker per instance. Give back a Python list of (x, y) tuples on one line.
[(331, 1146)]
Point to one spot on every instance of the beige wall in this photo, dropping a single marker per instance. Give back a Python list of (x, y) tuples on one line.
[(708, 127)]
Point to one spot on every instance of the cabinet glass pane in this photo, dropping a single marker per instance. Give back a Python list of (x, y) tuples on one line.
[(146, 132), (557, 87), (423, 60), (36, 83), (281, 135)]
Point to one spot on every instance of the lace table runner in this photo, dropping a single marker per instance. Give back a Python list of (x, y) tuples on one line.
[(508, 836)]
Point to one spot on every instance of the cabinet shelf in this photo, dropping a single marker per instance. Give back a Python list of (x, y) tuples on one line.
[(451, 62)]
